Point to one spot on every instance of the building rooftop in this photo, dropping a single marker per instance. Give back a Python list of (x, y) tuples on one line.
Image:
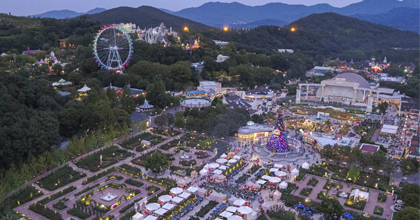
[(353, 77), (370, 148), (408, 104), (197, 92), (251, 129)]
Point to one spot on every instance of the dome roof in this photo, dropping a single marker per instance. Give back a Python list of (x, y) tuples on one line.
[(250, 123), (353, 77)]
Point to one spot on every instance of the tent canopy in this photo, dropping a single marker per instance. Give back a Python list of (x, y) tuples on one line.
[(221, 160), (274, 169), (226, 214), (231, 209), (185, 195), (276, 165), (168, 206), (152, 206), (177, 200), (165, 198), (151, 217), (283, 185), (245, 210), (232, 161), (305, 165), (234, 217), (176, 190), (239, 202), (192, 189), (261, 182), (160, 211), (265, 177), (280, 173), (217, 171)]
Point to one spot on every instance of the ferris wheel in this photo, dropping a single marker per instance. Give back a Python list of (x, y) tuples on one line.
[(112, 48)]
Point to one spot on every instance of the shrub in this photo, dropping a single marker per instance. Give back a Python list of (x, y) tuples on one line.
[(187, 163), (78, 213), (133, 182), (129, 170), (60, 204), (328, 185), (281, 214), (206, 209), (254, 168), (202, 154), (44, 211), (125, 208), (242, 178), (98, 176), (110, 155), (321, 195), (86, 189)]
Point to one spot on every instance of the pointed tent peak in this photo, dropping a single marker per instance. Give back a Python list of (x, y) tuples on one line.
[(62, 80), (84, 89)]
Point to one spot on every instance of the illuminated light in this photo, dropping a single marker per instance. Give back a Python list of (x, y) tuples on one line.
[(225, 29), (293, 29), (185, 28)]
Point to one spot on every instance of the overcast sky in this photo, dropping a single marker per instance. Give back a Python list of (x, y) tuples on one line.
[(31, 7)]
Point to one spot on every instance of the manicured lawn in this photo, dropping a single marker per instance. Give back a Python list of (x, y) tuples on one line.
[(321, 195), (142, 159), (110, 155), (305, 191), (57, 195), (328, 185), (187, 163), (133, 182), (282, 215), (312, 182), (59, 178), (60, 204), (202, 154), (170, 145), (135, 142)]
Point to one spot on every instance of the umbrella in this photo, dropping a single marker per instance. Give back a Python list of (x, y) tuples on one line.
[(350, 217), (346, 214), (176, 215), (301, 206), (190, 205), (172, 218), (183, 210)]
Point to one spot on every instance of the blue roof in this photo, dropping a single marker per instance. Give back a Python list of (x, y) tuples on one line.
[(196, 92)]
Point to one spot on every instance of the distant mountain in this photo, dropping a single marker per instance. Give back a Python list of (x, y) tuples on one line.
[(61, 14), (217, 14), (145, 16), (401, 18), (255, 24)]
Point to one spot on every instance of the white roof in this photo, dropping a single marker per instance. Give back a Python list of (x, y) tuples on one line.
[(214, 165), (192, 189), (152, 206), (176, 190), (219, 176), (226, 214), (168, 206), (223, 167), (231, 209), (223, 155), (165, 198), (261, 182), (266, 177), (274, 180), (244, 210), (177, 200), (234, 217), (278, 165), (295, 170), (239, 202), (305, 165), (236, 157), (389, 129), (232, 161), (217, 171), (185, 195), (84, 89), (283, 184), (160, 211), (221, 160), (280, 173), (137, 216), (151, 217), (203, 172), (274, 169)]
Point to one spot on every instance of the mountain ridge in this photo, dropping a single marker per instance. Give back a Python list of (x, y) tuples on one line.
[(61, 14)]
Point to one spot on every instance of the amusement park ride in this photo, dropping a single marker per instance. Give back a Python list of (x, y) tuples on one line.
[(112, 48)]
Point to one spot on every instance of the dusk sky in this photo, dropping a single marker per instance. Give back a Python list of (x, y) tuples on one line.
[(31, 7)]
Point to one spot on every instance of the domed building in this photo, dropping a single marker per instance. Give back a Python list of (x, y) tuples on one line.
[(346, 89)]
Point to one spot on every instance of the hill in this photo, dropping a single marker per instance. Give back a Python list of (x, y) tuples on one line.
[(145, 16), (400, 18), (61, 14), (328, 34), (217, 14)]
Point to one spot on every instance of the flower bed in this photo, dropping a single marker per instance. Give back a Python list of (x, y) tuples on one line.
[(112, 185), (60, 204), (109, 217), (129, 170), (187, 163), (370, 180), (378, 210), (133, 182), (110, 155), (135, 142), (166, 132), (152, 189), (328, 185), (78, 213), (57, 195), (305, 191), (60, 178), (44, 211), (142, 159), (27, 194), (242, 178), (128, 216), (98, 176), (321, 195), (206, 209), (170, 145), (114, 177), (382, 197), (179, 149), (313, 182), (202, 154), (356, 205), (86, 189)]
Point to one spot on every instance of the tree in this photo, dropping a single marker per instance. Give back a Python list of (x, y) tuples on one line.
[(409, 166), (408, 212), (378, 159), (331, 208), (160, 120), (410, 195), (57, 68), (127, 101), (169, 119), (179, 120), (390, 166), (157, 162), (365, 160)]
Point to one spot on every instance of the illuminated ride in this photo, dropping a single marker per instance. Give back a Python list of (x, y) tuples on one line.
[(278, 138), (112, 48)]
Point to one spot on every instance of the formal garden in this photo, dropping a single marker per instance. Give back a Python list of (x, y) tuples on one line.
[(110, 155), (135, 142), (202, 154), (313, 181), (166, 132), (306, 191), (174, 143), (59, 178), (142, 159)]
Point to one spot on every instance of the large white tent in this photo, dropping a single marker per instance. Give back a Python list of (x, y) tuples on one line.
[(204, 172), (232, 161), (192, 189), (165, 198), (305, 165), (221, 160), (245, 210), (226, 214), (239, 202), (151, 217), (276, 165), (234, 217), (274, 180), (261, 182), (265, 177), (185, 195), (274, 169), (232, 209), (160, 211), (217, 171), (295, 172), (137, 216), (152, 206), (283, 185), (168, 206), (176, 190), (280, 173), (177, 200)]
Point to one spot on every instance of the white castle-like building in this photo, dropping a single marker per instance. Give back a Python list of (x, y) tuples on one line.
[(151, 35), (346, 89)]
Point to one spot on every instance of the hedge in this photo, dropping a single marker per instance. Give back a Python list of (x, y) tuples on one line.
[(45, 211), (57, 195)]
